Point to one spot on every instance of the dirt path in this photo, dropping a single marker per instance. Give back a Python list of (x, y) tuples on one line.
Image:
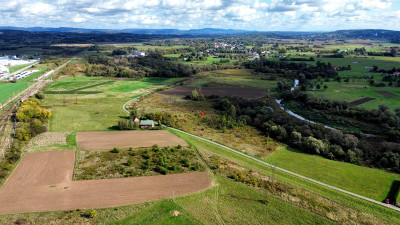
[(43, 182), (386, 94), (360, 101), (100, 140)]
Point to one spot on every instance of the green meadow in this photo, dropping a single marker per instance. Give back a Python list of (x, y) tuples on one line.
[(315, 189), (240, 77), (91, 103), (13, 69), (351, 91), (7, 90), (369, 182)]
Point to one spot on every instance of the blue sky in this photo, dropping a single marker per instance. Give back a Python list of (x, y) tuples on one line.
[(263, 15)]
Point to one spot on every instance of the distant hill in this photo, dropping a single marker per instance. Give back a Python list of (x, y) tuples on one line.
[(374, 34), (205, 31)]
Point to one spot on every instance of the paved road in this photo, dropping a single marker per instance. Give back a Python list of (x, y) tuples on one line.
[(289, 172)]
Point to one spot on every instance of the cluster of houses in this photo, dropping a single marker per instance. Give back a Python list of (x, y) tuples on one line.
[(134, 55)]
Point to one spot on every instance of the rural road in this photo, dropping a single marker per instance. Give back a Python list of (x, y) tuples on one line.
[(278, 168)]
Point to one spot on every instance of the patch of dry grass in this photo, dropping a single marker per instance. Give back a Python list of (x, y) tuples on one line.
[(187, 113), (47, 141)]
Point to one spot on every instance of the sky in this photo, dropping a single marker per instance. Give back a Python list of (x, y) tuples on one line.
[(261, 15)]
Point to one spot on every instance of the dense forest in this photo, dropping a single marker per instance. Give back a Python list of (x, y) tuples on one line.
[(153, 65), (292, 70)]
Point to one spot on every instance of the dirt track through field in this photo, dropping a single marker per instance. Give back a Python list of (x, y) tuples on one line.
[(43, 182), (360, 101), (386, 94), (126, 139), (219, 91)]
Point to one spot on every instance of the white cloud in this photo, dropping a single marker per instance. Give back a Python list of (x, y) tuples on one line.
[(78, 19), (39, 8), (186, 14)]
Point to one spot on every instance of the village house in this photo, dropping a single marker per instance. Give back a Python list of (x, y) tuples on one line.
[(396, 74), (136, 54), (146, 124)]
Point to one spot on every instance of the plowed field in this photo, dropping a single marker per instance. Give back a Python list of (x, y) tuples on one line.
[(126, 139), (43, 182)]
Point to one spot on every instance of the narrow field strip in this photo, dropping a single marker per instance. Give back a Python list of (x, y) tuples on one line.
[(126, 139)]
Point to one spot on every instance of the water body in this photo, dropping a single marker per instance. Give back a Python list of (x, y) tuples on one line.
[(279, 101), (290, 112)]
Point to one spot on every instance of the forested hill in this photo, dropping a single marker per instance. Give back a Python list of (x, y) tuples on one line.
[(369, 34), (75, 35)]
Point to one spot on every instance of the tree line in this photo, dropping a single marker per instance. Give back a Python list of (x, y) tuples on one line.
[(314, 138)]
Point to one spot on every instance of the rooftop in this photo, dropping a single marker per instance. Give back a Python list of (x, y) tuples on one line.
[(146, 123)]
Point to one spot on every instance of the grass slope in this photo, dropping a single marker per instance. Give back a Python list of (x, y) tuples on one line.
[(372, 183), (344, 200), (231, 202), (98, 107)]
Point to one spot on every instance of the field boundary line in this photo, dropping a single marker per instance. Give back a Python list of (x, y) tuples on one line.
[(287, 171)]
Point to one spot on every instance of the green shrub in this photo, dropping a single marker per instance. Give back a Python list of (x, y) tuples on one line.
[(91, 213), (115, 150), (129, 162), (162, 170), (186, 163)]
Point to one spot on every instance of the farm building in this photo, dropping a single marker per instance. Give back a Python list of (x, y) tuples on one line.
[(396, 73), (146, 124)]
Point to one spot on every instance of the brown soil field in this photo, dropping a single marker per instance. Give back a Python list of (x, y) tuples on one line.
[(219, 91), (43, 182), (126, 139), (360, 101), (386, 94)]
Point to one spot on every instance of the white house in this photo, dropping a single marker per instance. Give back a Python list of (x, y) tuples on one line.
[(139, 54)]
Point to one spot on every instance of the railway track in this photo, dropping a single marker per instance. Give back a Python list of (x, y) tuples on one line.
[(8, 108), (5, 118)]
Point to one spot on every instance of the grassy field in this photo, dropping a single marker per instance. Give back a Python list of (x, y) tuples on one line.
[(313, 191), (359, 89), (229, 203), (210, 60), (240, 77), (372, 183), (12, 69), (88, 103), (42, 69), (361, 65), (8, 90)]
